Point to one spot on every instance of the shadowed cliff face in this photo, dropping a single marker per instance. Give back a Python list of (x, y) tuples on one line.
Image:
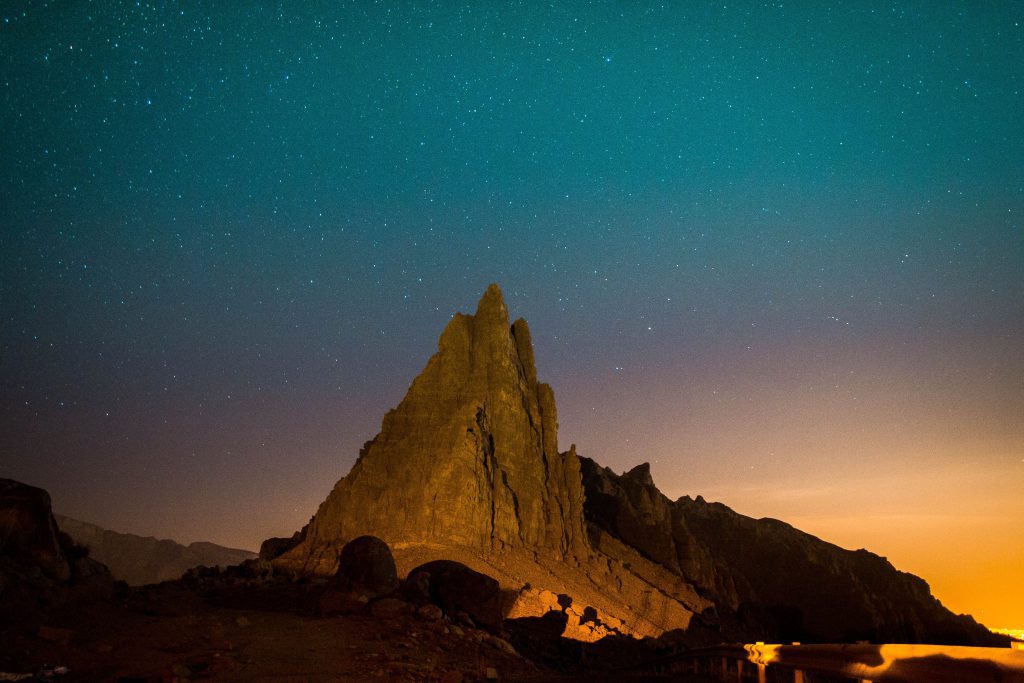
[(469, 457), (40, 567), (769, 581)]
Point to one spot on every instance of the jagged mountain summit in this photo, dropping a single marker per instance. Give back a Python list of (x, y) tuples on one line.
[(469, 457), (467, 467)]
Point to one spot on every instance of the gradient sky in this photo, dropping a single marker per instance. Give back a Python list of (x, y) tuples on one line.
[(775, 249)]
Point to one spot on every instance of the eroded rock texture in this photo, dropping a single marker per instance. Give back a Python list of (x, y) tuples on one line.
[(469, 457)]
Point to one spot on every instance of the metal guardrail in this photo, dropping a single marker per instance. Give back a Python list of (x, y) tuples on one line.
[(886, 663)]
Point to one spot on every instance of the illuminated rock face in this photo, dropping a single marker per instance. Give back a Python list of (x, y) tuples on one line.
[(468, 458)]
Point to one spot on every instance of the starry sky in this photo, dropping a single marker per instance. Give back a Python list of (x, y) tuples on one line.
[(775, 249)]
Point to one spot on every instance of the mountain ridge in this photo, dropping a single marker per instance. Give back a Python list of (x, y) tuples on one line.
[(771, 581), (140, 560), (467, 467)]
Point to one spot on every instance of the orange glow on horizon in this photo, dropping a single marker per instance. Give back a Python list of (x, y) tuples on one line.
[(967, 550), (920, 474)]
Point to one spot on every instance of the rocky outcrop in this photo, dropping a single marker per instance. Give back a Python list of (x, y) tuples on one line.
[(140, 560), (769, 581), (41, 567), (366, 564), (275, 547), (467, 468), (28, 531), (456, 589), (366, 570), (468, 458)]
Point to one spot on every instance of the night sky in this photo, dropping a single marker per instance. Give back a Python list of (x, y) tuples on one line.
[(775, 249)]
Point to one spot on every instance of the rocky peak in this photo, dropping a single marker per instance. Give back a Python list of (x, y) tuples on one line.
[(469, 457), (491, 309), (641, 474), (467, 466), (770, 581)]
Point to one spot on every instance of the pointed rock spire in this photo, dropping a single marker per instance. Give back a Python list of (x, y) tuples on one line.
[(492, 305), (469, 457)]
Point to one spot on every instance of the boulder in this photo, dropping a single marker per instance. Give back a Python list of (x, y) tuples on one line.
[(366, 565), (333, 602), (456, 588), (541, 637), (40, 566), (429, 612)]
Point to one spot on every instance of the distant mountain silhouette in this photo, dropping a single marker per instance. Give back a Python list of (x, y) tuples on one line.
[(770, 581), (140, 560), (467, 467)]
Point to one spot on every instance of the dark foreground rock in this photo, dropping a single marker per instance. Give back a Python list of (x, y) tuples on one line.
[(28, 532), (457, 589), (366, 565), (277, 546), (41, 568), (249, 621), (171, 631)]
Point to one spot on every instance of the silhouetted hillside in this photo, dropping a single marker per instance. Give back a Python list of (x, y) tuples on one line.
[(140, 560)]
